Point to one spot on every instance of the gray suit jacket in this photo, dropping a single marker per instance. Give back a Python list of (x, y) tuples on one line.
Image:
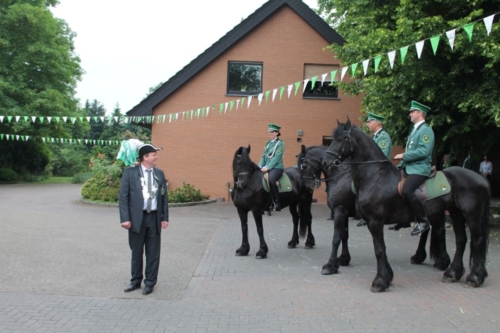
[(131, 200)]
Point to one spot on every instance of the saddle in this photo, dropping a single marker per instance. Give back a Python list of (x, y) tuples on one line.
[(284, 184), (434, 186)]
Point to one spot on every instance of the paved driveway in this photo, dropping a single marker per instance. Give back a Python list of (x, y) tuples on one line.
[(64, 266)]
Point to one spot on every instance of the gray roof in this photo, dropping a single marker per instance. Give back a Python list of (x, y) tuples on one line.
[(145, 108)]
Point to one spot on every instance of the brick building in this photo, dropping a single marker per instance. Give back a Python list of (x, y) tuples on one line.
[(279, 44)]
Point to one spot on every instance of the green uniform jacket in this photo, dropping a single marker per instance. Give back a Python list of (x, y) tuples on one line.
[(273, 158), (418, 156), (383, 141)]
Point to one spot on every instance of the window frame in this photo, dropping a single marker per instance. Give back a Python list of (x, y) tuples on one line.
[(241, 92)]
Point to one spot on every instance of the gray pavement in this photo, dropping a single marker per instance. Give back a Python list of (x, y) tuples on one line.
[(64, 266)]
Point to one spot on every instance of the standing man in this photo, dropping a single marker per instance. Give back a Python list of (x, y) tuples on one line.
[(144, 212), (381, 138), (416, 161)]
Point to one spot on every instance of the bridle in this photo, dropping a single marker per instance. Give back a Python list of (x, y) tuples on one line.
[(306, 165), (240, 184)]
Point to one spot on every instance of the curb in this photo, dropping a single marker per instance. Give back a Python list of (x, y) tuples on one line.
[(112, 204)]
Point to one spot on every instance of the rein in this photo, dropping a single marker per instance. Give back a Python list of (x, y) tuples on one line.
[(240, 185)]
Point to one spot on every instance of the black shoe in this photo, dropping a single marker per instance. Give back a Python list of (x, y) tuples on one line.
[(147, 290), (277, 206), (421, 227), (400, 225), (132, 287), (361, 223)]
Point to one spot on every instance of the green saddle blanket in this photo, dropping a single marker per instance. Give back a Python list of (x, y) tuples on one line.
[(285, 185), (433, 187)]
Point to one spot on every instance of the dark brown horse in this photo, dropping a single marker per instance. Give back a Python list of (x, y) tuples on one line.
[(248, 195), (379, 203)]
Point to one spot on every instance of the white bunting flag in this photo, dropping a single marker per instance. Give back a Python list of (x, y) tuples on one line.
[(7, 136), (225, 109), (94, 142), (102, 119), (164, 116), (275, 91), (170, 118), (249, 101), (79, 141), (109, 143), (49, 119), (86, 141), (344, 70), (1, 119), (17, 118), (52, 140), (88, 119), (392, 56), (237, 103), (64, 118), (259, 97), (290, 87), (17, 137), (488, 21), (43, 139), (33, 119), (191, 114), (420, 47), (323, 77), (27, 138), (198, 112), (116, 119), (306, 81), (451, 37), (365, 65)]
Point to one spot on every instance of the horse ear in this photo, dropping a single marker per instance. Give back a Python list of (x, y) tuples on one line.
[(347, 125), (338, 122), (248, 149), (303, 150)]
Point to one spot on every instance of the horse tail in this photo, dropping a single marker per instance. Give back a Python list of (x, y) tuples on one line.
[(302, 223)]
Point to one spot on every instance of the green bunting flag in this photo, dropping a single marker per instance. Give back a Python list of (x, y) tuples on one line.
[(9, 118), (297, 85), (231, 104), (353, 69), (1, 136), (468, 29), (41, 120), (221, 107), (313, 81), (267, 94), (376, 62), (203, 112), (95, 119), (58, 119), (242, 101), (281, 91), (403, 51), (333, 74), (435, 43), (26, 118)]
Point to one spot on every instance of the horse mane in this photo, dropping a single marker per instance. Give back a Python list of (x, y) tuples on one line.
[(243, 163)]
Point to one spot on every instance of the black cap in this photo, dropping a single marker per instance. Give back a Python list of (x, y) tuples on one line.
[(147, 148)]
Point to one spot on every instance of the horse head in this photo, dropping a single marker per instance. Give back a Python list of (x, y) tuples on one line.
[(243, 167), (310, 173), (341, 147)]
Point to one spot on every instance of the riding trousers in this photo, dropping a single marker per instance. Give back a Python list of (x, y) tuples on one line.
[(411, 184), (274, 175)]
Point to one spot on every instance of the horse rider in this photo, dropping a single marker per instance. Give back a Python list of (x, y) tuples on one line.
[(416, 161), (381, 138), (272, 162)]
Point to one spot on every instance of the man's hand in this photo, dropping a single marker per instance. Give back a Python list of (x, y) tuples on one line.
[(127, 224), (398, 157), (164, 224)]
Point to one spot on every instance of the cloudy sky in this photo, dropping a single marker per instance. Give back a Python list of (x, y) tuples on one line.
[(128, 46)]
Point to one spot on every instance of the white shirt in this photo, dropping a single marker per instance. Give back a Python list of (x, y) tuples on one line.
[(145, 173), (416, 125), (486, 167)]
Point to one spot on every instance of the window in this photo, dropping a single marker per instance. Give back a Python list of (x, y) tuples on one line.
[(321, 90), (244, 78), (327, 140)]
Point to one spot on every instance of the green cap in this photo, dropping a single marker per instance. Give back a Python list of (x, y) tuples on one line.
[(419, 107), (373, 116), (273, 127)]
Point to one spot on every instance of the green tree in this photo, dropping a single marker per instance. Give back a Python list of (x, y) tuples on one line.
[(461, 85), (95, 110), (38, 75)]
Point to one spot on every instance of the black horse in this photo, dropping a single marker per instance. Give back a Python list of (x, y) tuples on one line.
[(342, 201), (379, 203), (248, 194)]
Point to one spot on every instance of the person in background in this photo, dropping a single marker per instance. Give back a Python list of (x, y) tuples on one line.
[(486, 168)]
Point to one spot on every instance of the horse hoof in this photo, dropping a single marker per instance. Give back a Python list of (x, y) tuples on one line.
[(329, 270), (292, 245), (240, 254), (377, 289), (260, 256), (470, 284), (417, 260), (448, 279), (307, 246)]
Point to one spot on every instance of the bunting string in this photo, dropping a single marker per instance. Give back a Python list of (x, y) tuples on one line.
[(16, 137)]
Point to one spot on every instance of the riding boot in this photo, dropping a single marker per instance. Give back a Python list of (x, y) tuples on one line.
[(276, 197), (422, 221)]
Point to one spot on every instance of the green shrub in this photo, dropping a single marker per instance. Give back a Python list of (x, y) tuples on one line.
[(8, 175), (105, 182), (81, 178), (186, 193)]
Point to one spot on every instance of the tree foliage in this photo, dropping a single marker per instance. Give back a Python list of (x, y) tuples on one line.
[(461, 86), (38, 74)]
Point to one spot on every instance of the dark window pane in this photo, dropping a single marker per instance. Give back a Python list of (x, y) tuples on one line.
[(325, 90), (244, 78)]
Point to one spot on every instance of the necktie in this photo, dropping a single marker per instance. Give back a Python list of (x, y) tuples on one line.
[(150, 187)]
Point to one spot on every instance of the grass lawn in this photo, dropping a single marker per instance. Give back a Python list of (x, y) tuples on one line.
[(56, 180)]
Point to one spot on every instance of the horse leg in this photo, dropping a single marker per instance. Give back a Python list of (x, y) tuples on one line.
[(332, 266), (438, 243), (456, 270), (245, 246), (384, 271), (262, 253), (295, 234), (479, 231), (421, 254), (306, 212), (345, 256)]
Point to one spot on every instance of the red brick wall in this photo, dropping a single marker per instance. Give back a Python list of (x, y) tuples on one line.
[(200, 151)]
